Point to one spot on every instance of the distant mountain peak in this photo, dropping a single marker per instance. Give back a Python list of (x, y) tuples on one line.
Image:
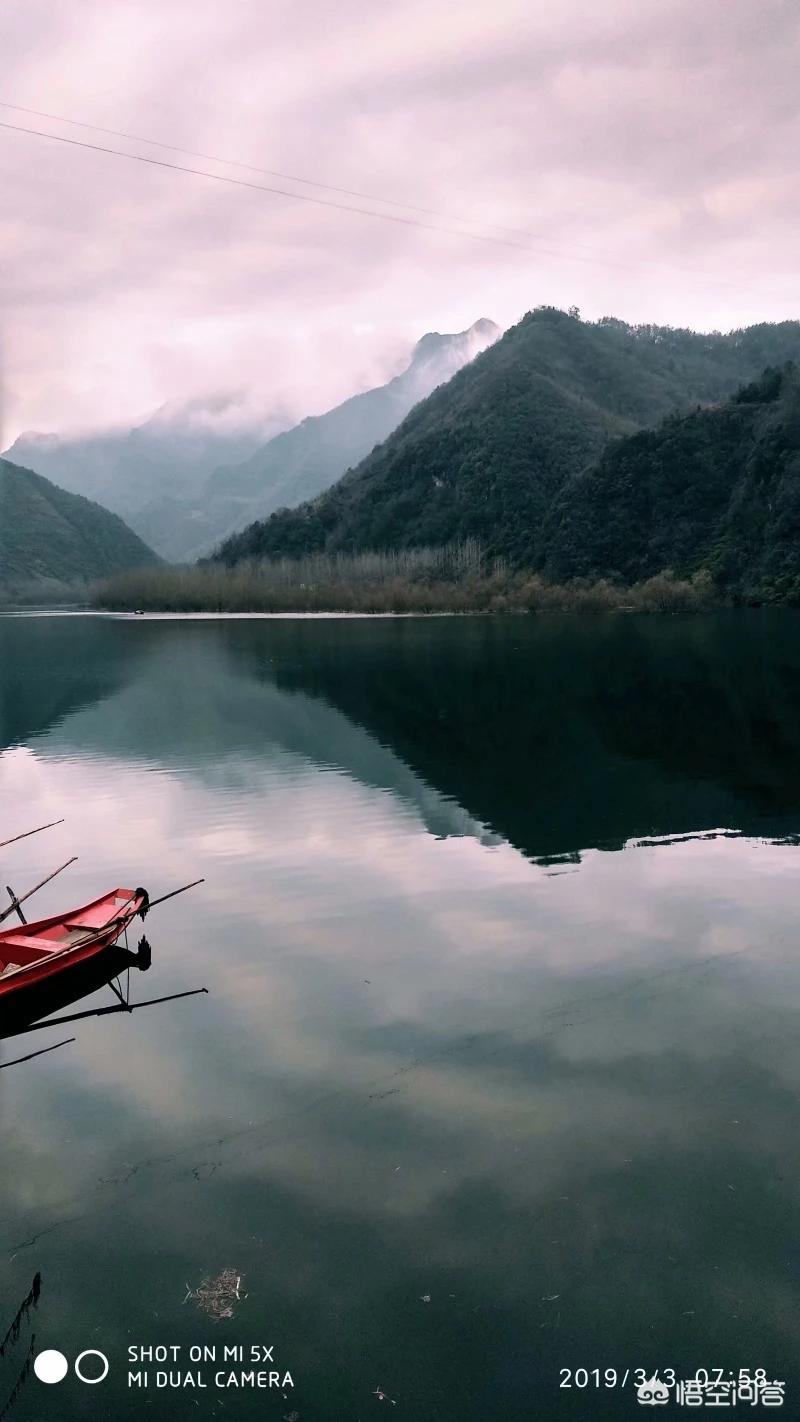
[(481, 333), (484, 327)]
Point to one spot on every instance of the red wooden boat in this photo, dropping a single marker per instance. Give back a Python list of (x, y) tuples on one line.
[(34, 954)]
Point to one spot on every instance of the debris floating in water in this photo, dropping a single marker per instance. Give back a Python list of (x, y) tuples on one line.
[(217, 1296), (383, 1396)]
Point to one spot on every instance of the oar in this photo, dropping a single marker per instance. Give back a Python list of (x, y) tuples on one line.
[(14, 905), (164, 897), (100, 1012), (15, 902), (27, 833)]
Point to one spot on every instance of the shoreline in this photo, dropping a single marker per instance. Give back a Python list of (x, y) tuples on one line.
[(423, 581)]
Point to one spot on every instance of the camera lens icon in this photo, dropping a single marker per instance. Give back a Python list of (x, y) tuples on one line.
[(52, 1367), (101, 1375)]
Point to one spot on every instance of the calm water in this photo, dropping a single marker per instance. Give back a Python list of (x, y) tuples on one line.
[(499, 1069)]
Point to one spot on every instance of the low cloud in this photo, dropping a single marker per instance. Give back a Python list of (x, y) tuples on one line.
[(648, 152)]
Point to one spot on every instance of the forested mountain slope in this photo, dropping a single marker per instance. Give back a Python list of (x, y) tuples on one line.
[(485, 455), (302, 462), (50, 538), (718, 489)]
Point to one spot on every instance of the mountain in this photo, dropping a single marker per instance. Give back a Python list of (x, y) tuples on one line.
[(195, 471), (717, 489), (300, 463), (155, 474), (51, 540), (485, 454)]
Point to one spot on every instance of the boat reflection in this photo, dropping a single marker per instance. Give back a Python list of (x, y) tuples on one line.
[(26, 1011), (32, 1010)]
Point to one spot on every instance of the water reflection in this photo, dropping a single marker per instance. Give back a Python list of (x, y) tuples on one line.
[(536, 726), (553, 734), (18, 1020), (458, 1121), (8, 1348), (53, 665)]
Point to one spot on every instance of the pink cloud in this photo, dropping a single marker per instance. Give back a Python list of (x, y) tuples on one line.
[(648, 150)]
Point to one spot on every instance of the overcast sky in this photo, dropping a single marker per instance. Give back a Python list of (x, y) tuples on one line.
[(647, 147)]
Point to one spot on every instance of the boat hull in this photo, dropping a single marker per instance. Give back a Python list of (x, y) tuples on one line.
[(37, 954)]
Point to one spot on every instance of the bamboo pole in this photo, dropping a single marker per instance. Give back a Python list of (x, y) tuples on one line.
[(164, 897), (28, 833)]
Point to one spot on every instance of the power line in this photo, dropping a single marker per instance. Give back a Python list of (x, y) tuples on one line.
[(535, 244), (265, 172), (263, 188), (533, 237)]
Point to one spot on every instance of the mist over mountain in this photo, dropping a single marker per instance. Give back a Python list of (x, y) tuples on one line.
[(301, 462), (51, 540), (485, 455), (154, 475), (197, 470)]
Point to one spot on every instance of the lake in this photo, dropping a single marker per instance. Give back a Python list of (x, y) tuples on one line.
[(497, 1077)]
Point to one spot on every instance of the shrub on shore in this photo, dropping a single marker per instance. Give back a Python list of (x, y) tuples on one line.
[(454, 579)]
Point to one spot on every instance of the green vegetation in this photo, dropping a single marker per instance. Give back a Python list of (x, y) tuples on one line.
[(456, 579), (718, 489), (53, 544), (486, 454)]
